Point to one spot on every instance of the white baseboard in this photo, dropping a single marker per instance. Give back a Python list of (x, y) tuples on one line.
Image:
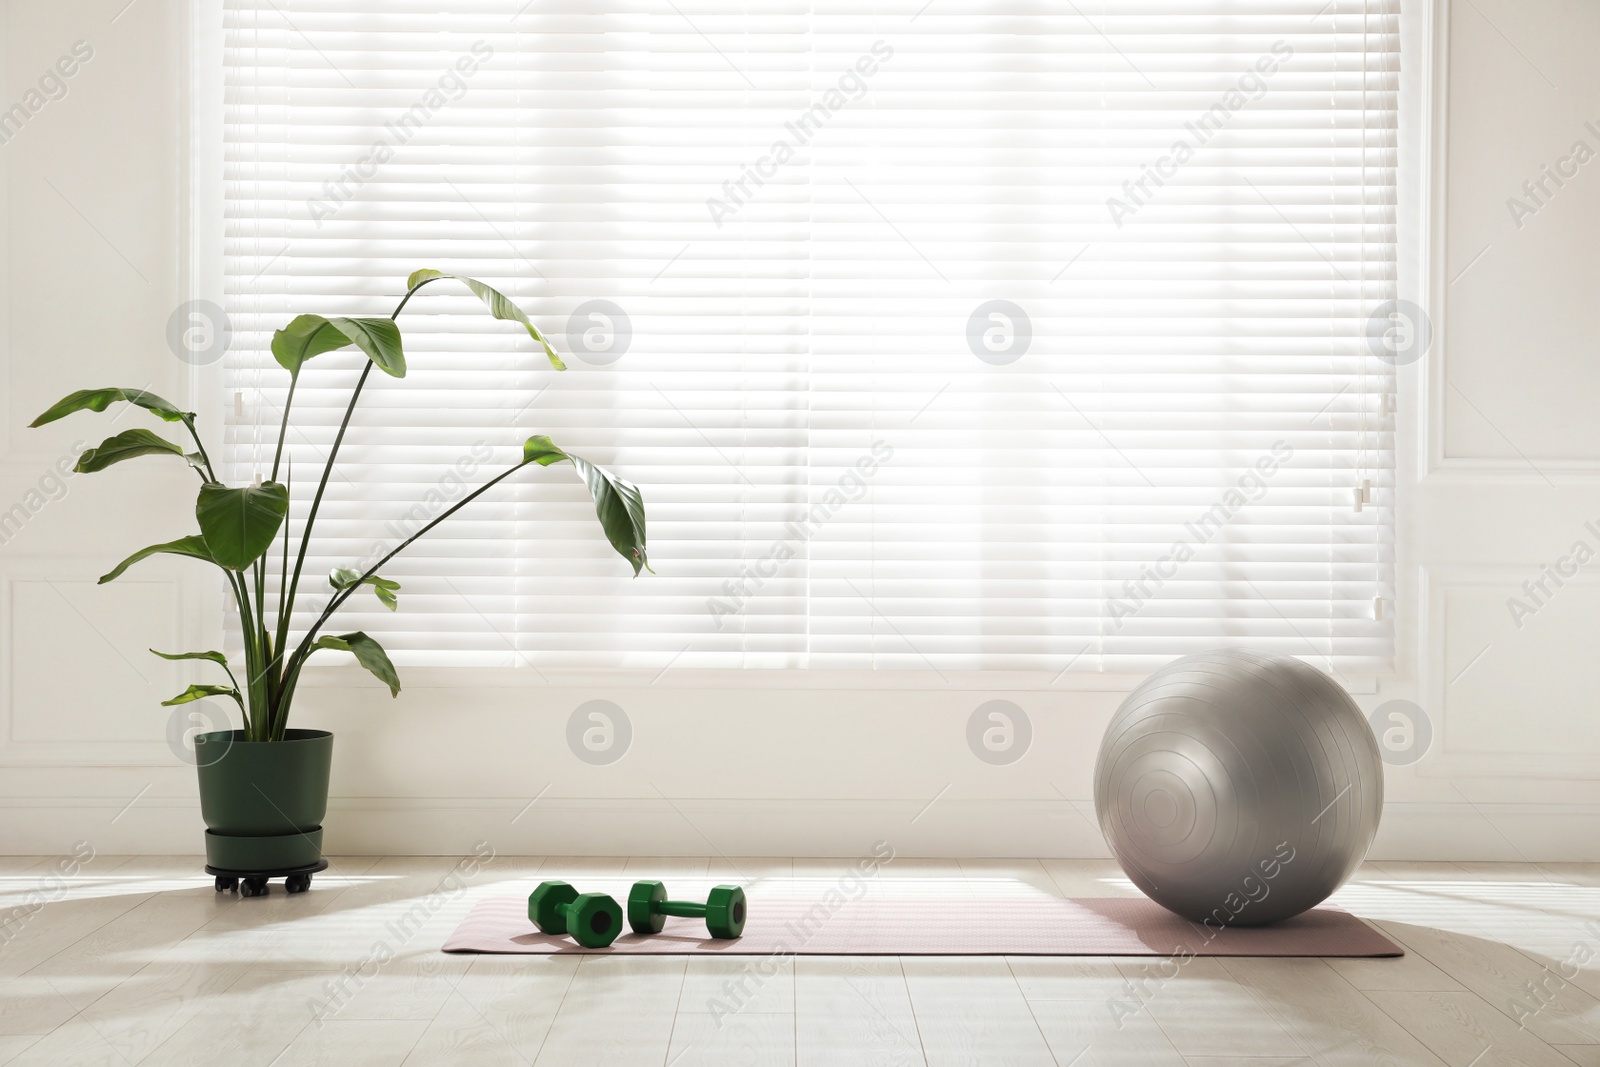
[(640, 827)]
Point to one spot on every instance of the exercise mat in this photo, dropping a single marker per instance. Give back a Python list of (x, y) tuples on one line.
[(1083, 926)]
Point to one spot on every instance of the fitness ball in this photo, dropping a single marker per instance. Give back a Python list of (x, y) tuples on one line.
[(1237, 788)]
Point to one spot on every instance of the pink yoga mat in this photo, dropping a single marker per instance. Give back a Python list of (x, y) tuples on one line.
[(1088, 926)]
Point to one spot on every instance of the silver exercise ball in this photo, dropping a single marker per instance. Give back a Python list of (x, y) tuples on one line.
[(1237, 788)]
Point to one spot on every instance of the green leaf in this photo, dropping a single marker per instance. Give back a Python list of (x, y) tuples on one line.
[(344, 578), (618, 503), (312, 335), (200, 692), (100, 399), (211, 657), (379, 339), (125, 445), (304, 337), (620, 507), (499, 305), (193, 546), (239, 524), (368, 653), (541, 450)]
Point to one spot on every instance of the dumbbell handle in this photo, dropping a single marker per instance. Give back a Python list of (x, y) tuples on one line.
[(683, 909)]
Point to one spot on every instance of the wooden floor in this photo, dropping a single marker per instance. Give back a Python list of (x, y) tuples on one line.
[(139, 961)]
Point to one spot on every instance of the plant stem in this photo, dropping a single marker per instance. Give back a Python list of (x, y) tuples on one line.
[(260, 568), (200, 446), (283, 572), (316, 503), (285, 698), (395, 314), (263, 635), (252, 654), (235, 681), (283, 427), (233, 584)]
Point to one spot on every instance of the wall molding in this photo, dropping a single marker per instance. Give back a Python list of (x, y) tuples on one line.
[(1436, 462), (76, 571), (1442, 761)]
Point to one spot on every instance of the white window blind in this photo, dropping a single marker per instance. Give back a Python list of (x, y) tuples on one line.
[(939, 336)]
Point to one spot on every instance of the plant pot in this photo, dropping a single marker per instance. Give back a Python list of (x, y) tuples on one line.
[(263, 801)]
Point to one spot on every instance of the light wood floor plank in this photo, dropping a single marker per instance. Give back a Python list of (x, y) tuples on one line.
[(150, 1006), (1009, 879), (13, 1045), (1085, 1033), (32, 1006), (854, 1010), (1411, 971), (1502, 977), (396, 990), (594, 1037), (760, 984), (969, 1009), (1201, 1008), (1460, 1027), (668, 869), (354, 1043), (123, 946), (1581, 873), (517, 997), (243, 1034), (755, 1039), (75, 1042), (1089, 878), (1333, 1022), (459, 1033), (57, 924), (617, 1010), (1093, 978), (768, 871)]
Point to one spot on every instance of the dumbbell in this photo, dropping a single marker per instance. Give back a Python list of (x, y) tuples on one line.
[(723, 911), (593, 919)]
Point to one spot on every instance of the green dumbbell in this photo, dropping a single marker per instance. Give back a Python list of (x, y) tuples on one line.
[(723, 911), (593, 919)]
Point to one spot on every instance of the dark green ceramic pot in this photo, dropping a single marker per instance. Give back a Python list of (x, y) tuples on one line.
[(263, 801)]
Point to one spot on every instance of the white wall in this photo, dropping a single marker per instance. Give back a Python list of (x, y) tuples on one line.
[(1500, 472)]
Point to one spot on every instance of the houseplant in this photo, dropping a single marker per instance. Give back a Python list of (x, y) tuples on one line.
[(263, 788)]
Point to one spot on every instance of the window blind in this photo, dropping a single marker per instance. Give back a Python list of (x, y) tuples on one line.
[(939, 337)]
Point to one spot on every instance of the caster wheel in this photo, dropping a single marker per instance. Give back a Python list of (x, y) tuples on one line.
[(297, 883), (226, 884), (253, 887)]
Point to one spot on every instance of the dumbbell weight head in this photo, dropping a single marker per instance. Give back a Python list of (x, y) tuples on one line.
[(547, 906), (725, 911), (643, 903), (592, 919)]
